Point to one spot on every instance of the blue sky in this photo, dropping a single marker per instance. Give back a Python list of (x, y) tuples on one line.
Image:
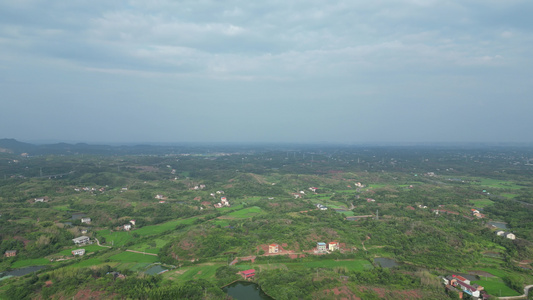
[(390, 71)]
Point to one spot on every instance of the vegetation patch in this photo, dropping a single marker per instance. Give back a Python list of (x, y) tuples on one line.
[(495, 286), (134, 257)]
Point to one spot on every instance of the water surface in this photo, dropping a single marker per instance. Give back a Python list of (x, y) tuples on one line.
[(385, 262), (242, 290)]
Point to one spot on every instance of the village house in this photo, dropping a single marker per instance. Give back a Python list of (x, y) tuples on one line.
[(223, 202), (321, 247), (273, 248), (332, 246), (86, 220), (159, 196), (465, 286), (313, 189), (81, 240), (78, 252), (127, 227), (506, 234), (10, 253), (42, 199), (321, 207), (132, 222), (248, 273)]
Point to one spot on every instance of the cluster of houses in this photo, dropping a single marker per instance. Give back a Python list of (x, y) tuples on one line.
[(41, 199), (90, 189), (506, 234), (128, 226), (462, 285), (198, 187), (477, 214), (321, 207), (322, 247), (223, 202)]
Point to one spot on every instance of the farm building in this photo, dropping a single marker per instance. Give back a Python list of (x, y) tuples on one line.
[(78, 252), (81, 240), (273, 248), (248, 273), (332, 246), (506, 234)]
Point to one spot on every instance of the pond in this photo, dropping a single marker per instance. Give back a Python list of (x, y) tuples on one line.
[(500, 225), (242, 290), (385, 262), (21, 271)]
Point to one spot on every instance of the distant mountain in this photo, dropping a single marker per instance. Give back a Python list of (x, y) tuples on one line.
[(14, 146)]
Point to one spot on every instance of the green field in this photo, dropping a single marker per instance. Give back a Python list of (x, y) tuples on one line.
[(119, 238), (245, 213), (134, 257), (146, 247), (495, 286), (481, 203), (351, 265), (61, 207), (88, 249), (507, 195), (222, 223), (495, 183), (30, 262), (195, 272), (86, 263), (160, 228)]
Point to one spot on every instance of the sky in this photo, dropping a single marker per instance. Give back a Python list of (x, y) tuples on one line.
[(349, 72)]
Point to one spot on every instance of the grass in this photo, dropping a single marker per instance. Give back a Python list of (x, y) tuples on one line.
[(495, 272), (481, 203), (87, 263), (496, 287), (495, 183), (145, 247), (351, 265), (245, 213), (30, 262), (88, 249), (119, 238), (134, 257), (206, 271), (61, 207), (222, 223), (508, 195), (160, 228)]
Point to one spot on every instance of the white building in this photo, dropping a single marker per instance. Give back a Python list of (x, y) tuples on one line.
[(78, 252), (81, 240)]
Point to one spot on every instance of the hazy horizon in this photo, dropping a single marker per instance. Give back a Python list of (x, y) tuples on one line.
[(408, 72)]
